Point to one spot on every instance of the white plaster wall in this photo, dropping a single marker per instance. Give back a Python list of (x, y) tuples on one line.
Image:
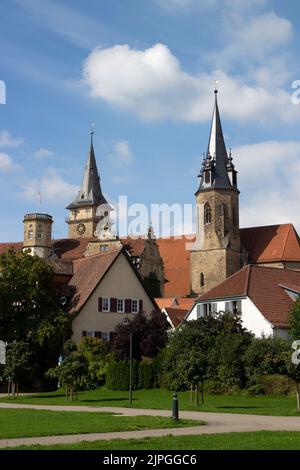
[(252, 319)]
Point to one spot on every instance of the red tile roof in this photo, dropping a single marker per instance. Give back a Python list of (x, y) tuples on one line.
[(135, 246), (271, 243), (4, 247), (176, 315), (88, 272), (176, 260), (164, 302), (264, 286)]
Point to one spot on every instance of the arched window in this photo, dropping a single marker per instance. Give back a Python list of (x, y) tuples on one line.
[(207, 214), (202, 279)]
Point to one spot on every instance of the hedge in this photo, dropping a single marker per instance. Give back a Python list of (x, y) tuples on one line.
[(144, 375)]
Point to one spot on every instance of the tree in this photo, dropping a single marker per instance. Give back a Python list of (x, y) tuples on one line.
[(149, 336), (210, 347), (30, 309), (17, 364), (71, 373), (265, 356), (95, 351), (293, 370)]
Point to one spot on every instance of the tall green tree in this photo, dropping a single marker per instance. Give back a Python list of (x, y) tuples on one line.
[(293, 370), (30, 310)]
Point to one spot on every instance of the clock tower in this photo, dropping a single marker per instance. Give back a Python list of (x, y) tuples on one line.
[(89, 206)]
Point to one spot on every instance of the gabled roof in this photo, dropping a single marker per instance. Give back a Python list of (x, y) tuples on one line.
[(88, 272), (271, 243), (264, 286), (176, 315)]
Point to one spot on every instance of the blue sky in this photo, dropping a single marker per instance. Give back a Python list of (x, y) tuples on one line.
[(143, 71)]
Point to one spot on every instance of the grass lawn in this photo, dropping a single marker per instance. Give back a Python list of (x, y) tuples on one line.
[(162, 399), (28, 423), (262, 440)]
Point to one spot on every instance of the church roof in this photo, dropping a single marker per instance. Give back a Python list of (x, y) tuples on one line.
[(264, 286), (90, 193), (216, 157), (271, 243)]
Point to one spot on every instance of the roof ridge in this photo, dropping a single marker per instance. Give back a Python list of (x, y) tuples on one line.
[(247, 279), (286, 240)]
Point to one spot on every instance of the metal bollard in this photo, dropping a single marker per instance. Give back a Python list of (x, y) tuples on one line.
[(175, 407)]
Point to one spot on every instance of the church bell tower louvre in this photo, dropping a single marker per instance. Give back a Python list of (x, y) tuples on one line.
[(217, 252)]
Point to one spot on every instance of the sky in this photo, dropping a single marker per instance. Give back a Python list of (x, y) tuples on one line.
[(144, 72)]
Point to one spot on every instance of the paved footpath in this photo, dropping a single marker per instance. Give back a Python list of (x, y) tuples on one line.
[(216, 423)]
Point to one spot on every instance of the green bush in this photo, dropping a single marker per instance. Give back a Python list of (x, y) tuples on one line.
[(144, 374)]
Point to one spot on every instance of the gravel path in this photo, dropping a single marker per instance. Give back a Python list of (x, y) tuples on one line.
[(216, 423)]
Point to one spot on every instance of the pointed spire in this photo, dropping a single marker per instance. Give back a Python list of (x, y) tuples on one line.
[(216, 156), (90, 193)]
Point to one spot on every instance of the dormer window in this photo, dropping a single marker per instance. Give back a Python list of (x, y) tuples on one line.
[(207, 214), (207, 177)]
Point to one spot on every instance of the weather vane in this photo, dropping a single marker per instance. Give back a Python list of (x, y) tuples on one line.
[(92, 128), (216, 82)]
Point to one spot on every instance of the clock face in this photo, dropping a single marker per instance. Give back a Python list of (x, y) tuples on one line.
[(80, 229)]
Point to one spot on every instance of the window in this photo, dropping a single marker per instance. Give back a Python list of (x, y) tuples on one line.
[(120, 305), (30, 234), (234, 178), (210, 308), (103, 248), (134, 306), (207, 214), (105, 304), (200, 311), (39, 235), (90, 334), (202, 279), (105, 335), (207, 177)]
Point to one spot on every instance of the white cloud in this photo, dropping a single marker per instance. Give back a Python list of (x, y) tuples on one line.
[(52, 187), (6, 163), (253, 41), (123, 154), (152, 85), (269, 175), (6, 140), (43, 153)]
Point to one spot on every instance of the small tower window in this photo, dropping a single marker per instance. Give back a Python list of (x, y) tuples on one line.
[(207, 177), (39, 234), (30, 234), (201, 279), (207, 214)]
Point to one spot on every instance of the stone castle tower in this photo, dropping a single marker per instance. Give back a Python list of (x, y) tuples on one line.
[(38, 234), (217, 252), (87, 207)]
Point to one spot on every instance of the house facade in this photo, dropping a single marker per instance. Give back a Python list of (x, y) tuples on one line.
[(263, 296)]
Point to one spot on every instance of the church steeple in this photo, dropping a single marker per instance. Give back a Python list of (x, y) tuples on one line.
[(217, 252), (90, 193), (216, 165), (85, 212)]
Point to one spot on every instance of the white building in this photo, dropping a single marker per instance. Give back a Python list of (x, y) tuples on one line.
[(263, 296)]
